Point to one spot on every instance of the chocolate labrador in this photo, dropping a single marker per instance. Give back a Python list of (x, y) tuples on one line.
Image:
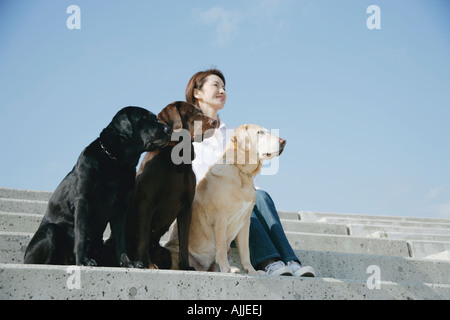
[(94, 193), (165, 188)]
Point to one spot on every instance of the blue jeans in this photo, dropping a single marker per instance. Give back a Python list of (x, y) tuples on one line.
[(267, 237)]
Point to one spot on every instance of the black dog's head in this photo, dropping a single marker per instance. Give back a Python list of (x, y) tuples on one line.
[(138, 126), (182, 115)]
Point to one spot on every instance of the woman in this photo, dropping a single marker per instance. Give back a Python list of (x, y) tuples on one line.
[(269, 248)]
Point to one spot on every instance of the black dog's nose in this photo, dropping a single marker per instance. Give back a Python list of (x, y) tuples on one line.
[(168, 130)]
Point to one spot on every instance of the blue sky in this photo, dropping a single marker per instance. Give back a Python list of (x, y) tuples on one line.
[(365, 112)]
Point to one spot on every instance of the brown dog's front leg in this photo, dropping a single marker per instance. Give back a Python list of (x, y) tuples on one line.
[(183, 223), (145, 215)]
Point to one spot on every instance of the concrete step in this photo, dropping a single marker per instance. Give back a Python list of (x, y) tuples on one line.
[(313, 227), (422, 248), (19, 222), (24, 201), (443, 256), (13, 246), (14, 243), (23, 206), (11, 193), (289, 215), (336, 265), (28, 222), (345, 243), (341, 253), (363, 230), (32, 282), (409, 236), (366, 245), (315, 216), (25, 194), (351, 266), (368, 222)]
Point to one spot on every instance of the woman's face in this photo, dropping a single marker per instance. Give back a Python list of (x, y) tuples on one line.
[(212, 93)]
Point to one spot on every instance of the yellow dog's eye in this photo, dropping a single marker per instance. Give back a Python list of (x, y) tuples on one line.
[(261, 132)]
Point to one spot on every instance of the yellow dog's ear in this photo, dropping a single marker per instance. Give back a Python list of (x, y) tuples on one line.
[(241, 138)]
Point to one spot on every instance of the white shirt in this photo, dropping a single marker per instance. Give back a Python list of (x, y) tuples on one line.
[(208, 152)]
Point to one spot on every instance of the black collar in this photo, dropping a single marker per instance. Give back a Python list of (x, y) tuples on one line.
[(106, 151)]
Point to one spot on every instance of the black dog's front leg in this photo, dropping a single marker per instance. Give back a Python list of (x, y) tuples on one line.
[(81, 216), (184, 222), (117, 224)]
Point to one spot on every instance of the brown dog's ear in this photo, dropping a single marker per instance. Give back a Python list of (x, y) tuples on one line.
[(170, 115)]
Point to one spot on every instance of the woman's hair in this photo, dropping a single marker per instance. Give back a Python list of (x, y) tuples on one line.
[(197, 82)]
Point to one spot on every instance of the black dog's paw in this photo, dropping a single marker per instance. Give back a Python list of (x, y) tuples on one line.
[(89, 262), (136, 264), (125, 262)]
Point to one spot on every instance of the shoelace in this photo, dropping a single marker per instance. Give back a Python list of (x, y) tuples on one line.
[(274, 266)]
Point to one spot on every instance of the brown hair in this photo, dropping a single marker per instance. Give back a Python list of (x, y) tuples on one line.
[(197, 82)]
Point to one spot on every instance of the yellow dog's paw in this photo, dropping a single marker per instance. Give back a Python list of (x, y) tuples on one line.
[(254, 272), (229, 269), (234, 270)]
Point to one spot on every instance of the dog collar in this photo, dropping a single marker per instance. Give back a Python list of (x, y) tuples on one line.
[(106, 151)]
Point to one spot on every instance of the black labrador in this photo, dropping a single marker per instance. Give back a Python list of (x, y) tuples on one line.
[(94, 193), (165, 188)]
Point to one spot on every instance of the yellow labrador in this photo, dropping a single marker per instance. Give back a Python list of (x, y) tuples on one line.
[(224, 200)]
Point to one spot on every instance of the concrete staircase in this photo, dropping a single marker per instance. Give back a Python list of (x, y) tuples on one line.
[(355, 257)]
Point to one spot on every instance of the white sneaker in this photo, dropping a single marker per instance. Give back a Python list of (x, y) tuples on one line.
[(278, 268), (299, 271)]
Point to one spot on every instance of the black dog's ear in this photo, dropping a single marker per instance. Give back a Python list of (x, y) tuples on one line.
[(122, 124), (170, 115)]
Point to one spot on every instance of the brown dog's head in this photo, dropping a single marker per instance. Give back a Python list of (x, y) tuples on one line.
[(182, 115)]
